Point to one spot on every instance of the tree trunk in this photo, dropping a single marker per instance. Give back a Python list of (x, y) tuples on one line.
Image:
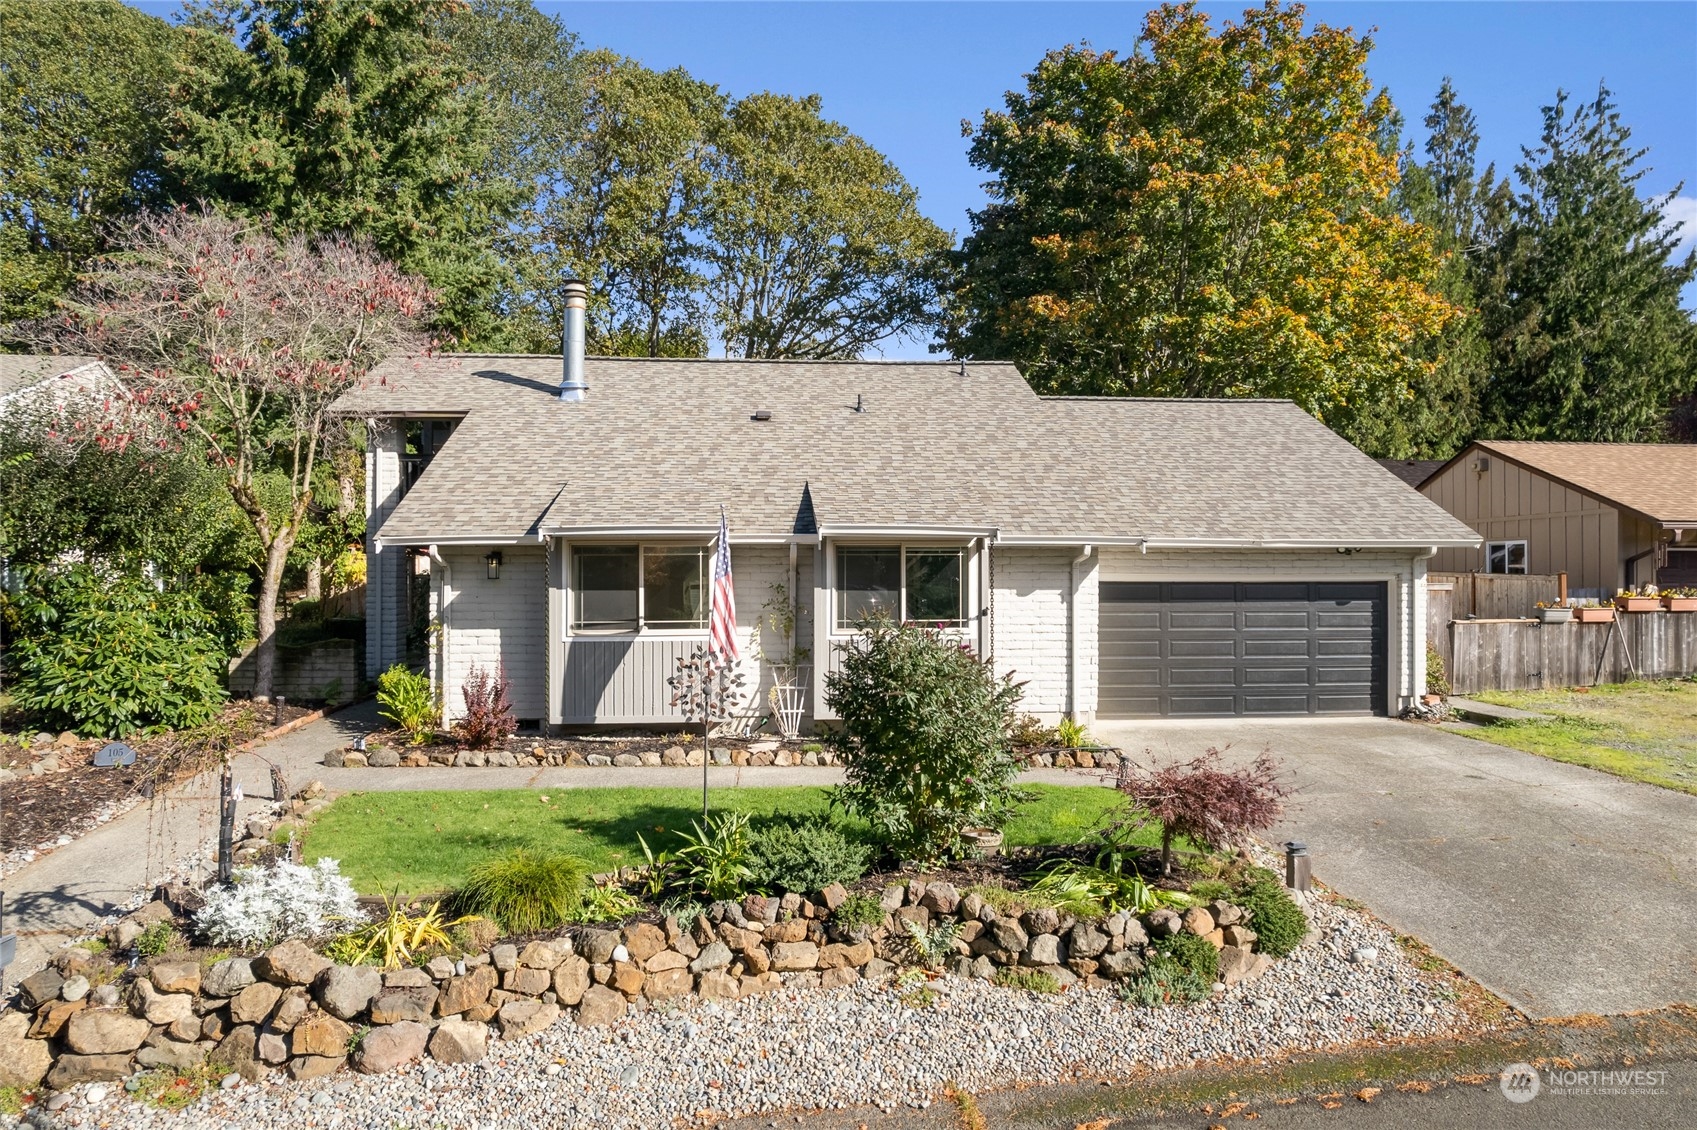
[(270, 587), (315, 579)]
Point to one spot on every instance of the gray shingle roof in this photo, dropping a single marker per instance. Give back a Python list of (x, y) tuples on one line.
[(661, 443), (21, 370), (1411, 471)]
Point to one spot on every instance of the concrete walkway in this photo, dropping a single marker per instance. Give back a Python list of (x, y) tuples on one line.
[(1562, 889), (61, 894)]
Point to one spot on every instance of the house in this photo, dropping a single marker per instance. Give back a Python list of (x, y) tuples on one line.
[(1411, 471), (1123, 558), (1609, 515), (42, 385)]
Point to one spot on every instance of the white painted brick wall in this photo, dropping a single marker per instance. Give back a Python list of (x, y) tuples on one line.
[(497, 622), (1030, 610), (1402, 575)]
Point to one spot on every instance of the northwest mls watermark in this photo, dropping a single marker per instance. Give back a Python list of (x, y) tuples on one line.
[(1521, 1083)]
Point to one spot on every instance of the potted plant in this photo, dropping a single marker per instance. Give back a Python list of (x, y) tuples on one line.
[(1550, 613), (1593, 613), (1680, 600), (1633, 600)]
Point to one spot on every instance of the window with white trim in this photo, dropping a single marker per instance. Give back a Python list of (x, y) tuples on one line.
[(635, 588), (1505, 557), (900, 582)]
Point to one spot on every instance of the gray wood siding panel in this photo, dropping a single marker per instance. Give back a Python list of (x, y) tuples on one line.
[(620, 681)]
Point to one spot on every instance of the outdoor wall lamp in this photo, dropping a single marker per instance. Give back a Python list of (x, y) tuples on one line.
[(493, 562)]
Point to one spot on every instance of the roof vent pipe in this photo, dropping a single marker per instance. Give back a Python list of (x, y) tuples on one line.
[(572, 385)]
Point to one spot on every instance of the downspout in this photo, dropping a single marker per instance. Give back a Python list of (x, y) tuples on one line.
[(437, 561), (1072, 631), (1416, 631)]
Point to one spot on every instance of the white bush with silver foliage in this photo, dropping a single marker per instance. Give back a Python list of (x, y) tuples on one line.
[(267, 905)]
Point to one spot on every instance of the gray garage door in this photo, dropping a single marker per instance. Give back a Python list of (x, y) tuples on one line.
[(1192, 649)]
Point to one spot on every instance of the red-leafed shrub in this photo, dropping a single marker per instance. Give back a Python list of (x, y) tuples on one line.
[(1203, 801), (488, 719)]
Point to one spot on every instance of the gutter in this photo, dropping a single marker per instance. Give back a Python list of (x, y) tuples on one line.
[(1147, 543)]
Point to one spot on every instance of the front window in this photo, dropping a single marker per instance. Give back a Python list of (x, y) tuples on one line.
[(630, 588), (1505, 557), (900, 582)]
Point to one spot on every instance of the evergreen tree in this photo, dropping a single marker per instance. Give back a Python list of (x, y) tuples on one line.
[(84, 90), (1588, 338), (348, 117)]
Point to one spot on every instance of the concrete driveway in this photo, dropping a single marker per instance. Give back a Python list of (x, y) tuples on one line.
[(1562, 889)]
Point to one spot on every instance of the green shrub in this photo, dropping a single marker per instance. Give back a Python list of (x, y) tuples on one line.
[(105, 654), (1192, 954), (1072, 734), (158, 939), (858, 911), (1164, 981), (607, 904), (1278, 922), (1437, 676), (805, 856), (407, 700), (1089, 892), (924, 738), (1207, 890), (525, 891), (1031, 980)]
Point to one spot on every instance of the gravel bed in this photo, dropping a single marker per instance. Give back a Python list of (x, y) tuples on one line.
[(864, 1044)]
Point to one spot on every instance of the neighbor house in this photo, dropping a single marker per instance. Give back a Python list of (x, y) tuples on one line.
[(1122, 558), (1609, 515)]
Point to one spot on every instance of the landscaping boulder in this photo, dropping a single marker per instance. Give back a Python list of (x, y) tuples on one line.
[(544, 955), (440, 968), (1086, 941), (291, 1009), (227, 978), (504, 957), (171, 1054), (1006, 934), (23, 1061), (345, 991), (388, 1046), (176, 976), (273, 1048), (1125, 963), (716, 984), (940, 898), (668, 983), (72, 1069), (1043, 950), (459, 1041), (521, 1018), (643, 941), (793, 957), (1198, 921), (254, 1003), (715, 955), (599, 1007), (1164, 923), (596, 946), (1042, 920), (526, 982), (292, 963), (40, 987), (627, 978), (463, 993), (104, 1031), (161, 1008), (392, 1006), (571, 979), (239, 1051), (408, 979), (315, 1066), (383, 758), (833, 896), (320, 1034), (49, 1019)]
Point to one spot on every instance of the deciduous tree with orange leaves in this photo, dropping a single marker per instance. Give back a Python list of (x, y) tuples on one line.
[(1207, 215)]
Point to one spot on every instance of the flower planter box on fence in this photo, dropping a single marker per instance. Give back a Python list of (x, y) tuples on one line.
[(1600, 614), (1680, 603), (1555, 615), (1638, 604)]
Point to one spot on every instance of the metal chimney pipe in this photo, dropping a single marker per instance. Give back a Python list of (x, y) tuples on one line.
[(572, 385)]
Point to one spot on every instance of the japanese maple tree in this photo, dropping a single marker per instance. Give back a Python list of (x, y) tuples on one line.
[(219, 330), (1204, 801)]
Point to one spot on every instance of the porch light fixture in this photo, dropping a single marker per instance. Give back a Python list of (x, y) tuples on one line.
[(493, 563)]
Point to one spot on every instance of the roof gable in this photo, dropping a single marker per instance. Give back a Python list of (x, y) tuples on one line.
[(1656, 480)]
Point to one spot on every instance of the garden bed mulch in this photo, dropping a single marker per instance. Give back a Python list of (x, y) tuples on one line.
[(50, 809)]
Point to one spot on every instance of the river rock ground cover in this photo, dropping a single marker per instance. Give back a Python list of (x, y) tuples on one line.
[(887, 1043)]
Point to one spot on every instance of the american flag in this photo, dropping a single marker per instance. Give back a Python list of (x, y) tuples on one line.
[(722, 624)]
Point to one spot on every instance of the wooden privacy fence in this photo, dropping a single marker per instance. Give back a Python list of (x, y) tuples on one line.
[(1496, 596), (1514, 655)]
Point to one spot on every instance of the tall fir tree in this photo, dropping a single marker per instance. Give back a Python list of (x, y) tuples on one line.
[(353, 117), (1588, 338)]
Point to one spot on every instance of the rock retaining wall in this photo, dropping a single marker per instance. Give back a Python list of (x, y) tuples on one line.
[(292, 1009)]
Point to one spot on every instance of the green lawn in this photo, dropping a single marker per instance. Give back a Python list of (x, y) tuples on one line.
[(425, 841), (1641, 731)]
